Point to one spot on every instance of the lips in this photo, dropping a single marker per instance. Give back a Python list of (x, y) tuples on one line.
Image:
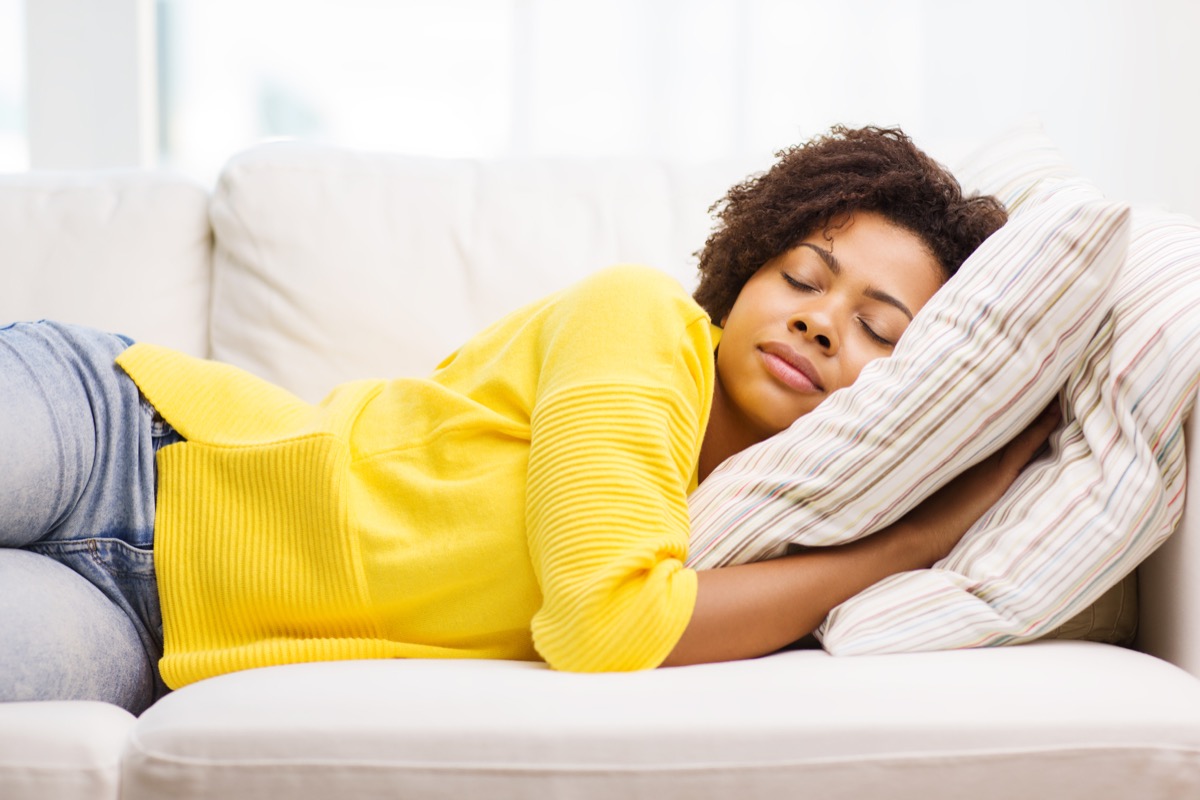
[(791, 368)]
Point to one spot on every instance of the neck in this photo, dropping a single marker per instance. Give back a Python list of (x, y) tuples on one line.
[(728, 433)]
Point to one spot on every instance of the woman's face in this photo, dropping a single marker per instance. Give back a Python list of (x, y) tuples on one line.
[(809, 320)]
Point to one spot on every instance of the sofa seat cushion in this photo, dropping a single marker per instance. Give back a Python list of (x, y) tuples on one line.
[(1060, 719), (69, 750)]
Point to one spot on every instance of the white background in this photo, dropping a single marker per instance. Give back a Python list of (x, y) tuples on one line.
[(187, 83)]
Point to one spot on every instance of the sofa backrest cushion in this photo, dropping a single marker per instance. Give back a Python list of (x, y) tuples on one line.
[(125, 251), (332, 264)]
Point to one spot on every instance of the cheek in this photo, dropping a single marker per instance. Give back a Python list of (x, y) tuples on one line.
[(725, 365), (855, 367)]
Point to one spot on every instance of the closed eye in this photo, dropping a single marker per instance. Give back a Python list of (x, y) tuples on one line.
[(798, 285), (875, 336)]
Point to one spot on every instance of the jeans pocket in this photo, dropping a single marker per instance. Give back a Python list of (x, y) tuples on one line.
[(131, 572), (161, 432)]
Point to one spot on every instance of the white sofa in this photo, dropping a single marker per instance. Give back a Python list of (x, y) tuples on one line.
[(311, 266)]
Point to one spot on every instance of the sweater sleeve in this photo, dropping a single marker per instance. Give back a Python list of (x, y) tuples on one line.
[(622, 400)]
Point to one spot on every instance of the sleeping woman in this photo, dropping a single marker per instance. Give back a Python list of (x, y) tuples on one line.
[(164, 519)]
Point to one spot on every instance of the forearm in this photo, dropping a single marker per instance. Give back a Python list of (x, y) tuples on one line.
[(753, 609)]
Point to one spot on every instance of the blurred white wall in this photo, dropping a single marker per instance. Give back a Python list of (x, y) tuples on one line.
[(14, 153), (92, 83), (1113, 80)]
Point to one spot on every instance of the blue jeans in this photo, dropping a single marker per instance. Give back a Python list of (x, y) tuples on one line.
[(79, 611)]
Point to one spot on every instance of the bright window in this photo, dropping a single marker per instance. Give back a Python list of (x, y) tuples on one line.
[(14, 148), (691, 79), (427, 77), (464, 77), (681, 79)]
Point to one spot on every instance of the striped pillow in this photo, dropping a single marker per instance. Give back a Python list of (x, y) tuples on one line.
[(1108, 494), (978, 363)]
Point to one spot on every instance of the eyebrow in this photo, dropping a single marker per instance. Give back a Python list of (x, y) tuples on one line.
[(835, 267)]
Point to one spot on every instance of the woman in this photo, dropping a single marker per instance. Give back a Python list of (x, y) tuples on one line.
[(528, 500)]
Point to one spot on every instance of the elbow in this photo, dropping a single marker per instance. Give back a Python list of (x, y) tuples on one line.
[(616, 636)]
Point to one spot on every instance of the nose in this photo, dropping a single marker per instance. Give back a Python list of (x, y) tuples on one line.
[(818, 328)]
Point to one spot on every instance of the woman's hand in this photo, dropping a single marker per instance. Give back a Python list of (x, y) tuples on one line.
[(753, 609)]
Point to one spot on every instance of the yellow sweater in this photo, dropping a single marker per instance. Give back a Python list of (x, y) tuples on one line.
[(527, 500)]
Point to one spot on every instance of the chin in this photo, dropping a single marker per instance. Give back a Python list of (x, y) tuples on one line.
[(770, 428), (784, 425)]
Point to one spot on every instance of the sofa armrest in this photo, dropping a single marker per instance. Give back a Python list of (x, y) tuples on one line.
[(1169, 581)]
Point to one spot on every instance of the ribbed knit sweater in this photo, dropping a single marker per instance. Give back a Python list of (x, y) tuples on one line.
[(528, 500)]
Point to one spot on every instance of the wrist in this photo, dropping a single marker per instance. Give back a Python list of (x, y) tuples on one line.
[(911, 545)]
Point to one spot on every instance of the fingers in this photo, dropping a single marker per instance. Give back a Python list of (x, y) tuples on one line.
[(1046, 422), (1026, 444)]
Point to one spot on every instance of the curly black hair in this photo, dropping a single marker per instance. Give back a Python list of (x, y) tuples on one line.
[(815, 185)]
